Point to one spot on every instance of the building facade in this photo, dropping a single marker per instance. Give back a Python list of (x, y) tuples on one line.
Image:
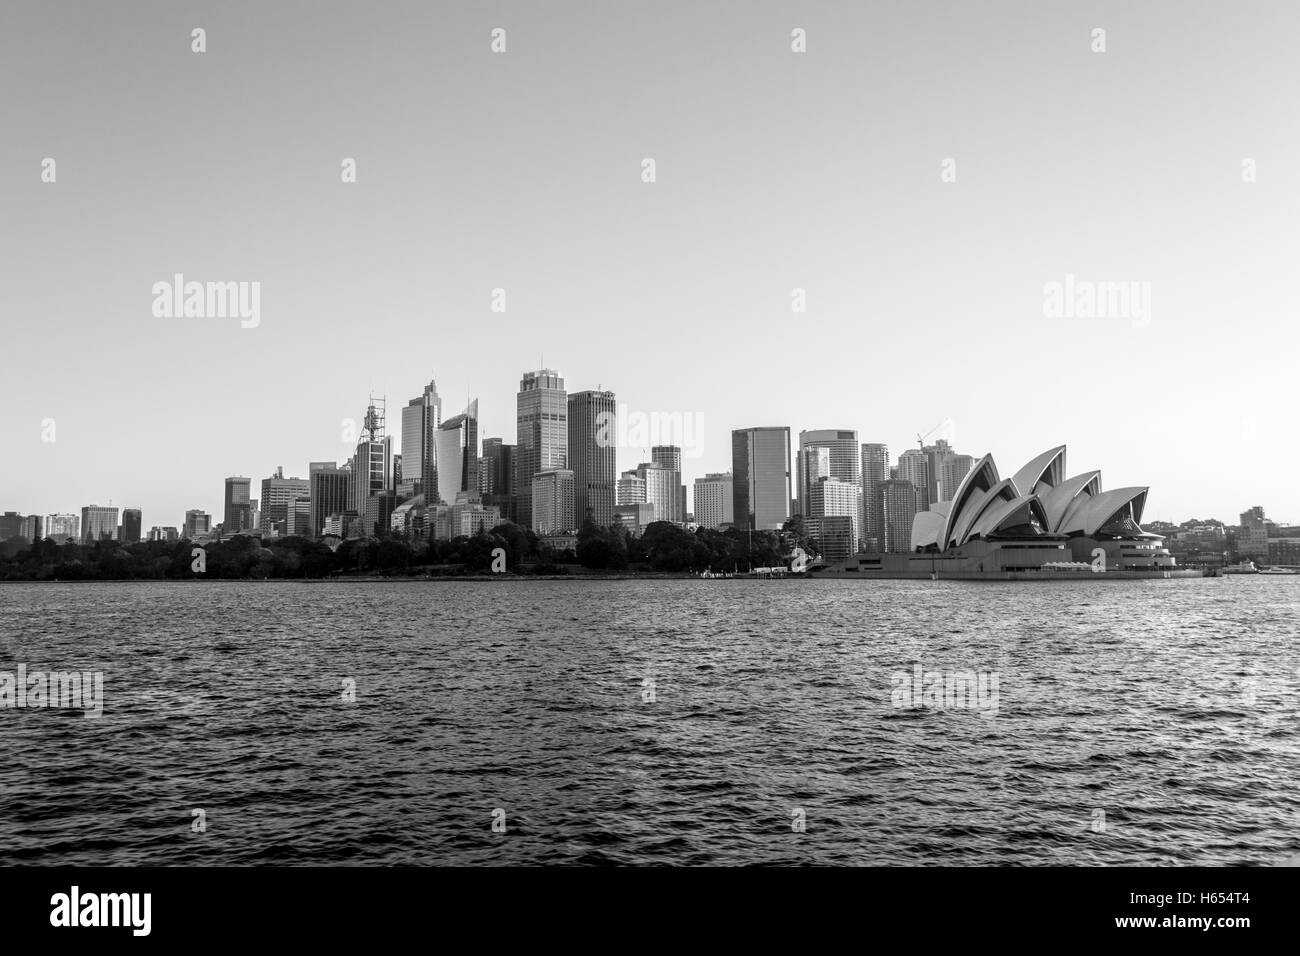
[(593, 456), (543, 435), (760, 469), (714, 503)]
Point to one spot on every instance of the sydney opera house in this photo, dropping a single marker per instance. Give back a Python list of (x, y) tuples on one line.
[(1037, 524)]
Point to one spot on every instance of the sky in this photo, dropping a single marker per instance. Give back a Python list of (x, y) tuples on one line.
[(923, 172)]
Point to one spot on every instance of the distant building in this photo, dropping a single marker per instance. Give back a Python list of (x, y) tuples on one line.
[(592, 455), (61, 527), (875, 470), (634, 517), (331, 491), (543, 436), (835, 498), (552, 501), (456, 451), (11, 525), (713, 500), (670, 457), (297, 520), (1252, 538), (33, 528), (278, 495), (167, 533), (377, 519), (760, 468), (497, 478), (826, 453), (662, 490), (630, 489), (420, 419), (197, 524), (131, 521), (98, 523), (914, 466), (238, 515), (955, 468), (836, 534), (899, 502)]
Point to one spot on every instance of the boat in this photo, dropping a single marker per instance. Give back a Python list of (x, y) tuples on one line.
[(1244, 567), (1277, 571)]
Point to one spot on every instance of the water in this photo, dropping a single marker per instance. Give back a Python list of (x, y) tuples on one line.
[(1151, 722)]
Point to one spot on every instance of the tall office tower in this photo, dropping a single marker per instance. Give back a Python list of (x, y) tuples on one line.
[(238, 515), (875, 469), (936, 456), (670, 456), (372, 465), (760, 468), (420, 418), (955, 468), (834, 498), (33, 528), (630, 489), (98, 524), (914, 466), (131, 520), (61, 527), (713, 500), (278, 495), (899, 502), (497, 479), (552, 504), (826, 453), (456, 450), (197, 523), (297, 520), (593, 423), (331, 491), (661, 489), (11, 525), (543, 435)]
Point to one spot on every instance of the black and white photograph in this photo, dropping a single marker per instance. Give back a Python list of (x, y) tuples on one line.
[(450, 437)]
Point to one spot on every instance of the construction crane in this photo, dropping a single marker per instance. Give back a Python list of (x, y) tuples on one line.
[(920, 439)]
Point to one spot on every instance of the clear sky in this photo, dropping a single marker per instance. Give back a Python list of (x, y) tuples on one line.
[(774, 171)]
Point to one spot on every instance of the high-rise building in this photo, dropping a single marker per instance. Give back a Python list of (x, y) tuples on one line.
[(714, 503), (456, 451), (552, 504), (760, 468), (826, 453), (168, 533), (899, 500), (955, 468), (670, 457), (297, 520), (497, 477), (197, 524), (630, 489), (238, 515), (834, 498), (131, 520), (278, 495), (1252, 539), (592, 456), (98, 523), (61, 527), (875, 469), (420, 419), (11, 525), (543, 435), (662, 489), (372, 465), (330, 494), (33, 528), (914, 466)]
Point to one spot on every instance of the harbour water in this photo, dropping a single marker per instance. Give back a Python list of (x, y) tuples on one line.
[(660, 721)]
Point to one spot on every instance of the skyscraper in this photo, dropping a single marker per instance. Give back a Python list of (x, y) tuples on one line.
[(197, 523), (714, 502), (552, 504), (914, 466), (899, 500), (98, 523), (875, 469), (456, 451), (497, 478), (420, 419), (760, 468), (238, 514), (131, 520), (955, 468), (11, 525), (630, 490), (662, 489), (670, 457), (592, 456), (278, 495), (372, 468), (826, 453), (834, 498), (331, 491), (543, 435), (61, 527)]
